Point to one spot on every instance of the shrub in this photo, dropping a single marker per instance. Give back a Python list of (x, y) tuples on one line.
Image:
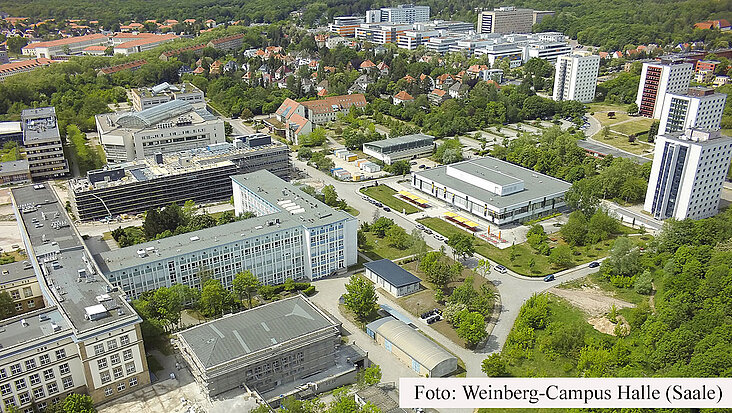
[(309, 291)]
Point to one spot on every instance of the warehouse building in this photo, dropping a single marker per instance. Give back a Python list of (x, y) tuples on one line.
[(286, 341), (202, 175), (173, 126), (293, 236), (391, 277), (415, 350), (495, 190), (404, 147)]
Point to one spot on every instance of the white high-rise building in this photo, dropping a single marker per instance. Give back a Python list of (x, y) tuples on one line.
[(689, 169), (401, 14), (699, 108), (575, 77), (658, 79)]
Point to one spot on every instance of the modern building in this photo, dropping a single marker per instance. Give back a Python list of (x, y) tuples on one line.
[(381, 33), (411, 39), (689, 170), (494, 190), (65, 46), (42, 142), (442, 44), (394, 279), (540, 14), (168, 127), (147, 97), (87, 339), (412, 348), (202, 175), (658, 79), (19, 280), (404, 147), (401, 14), (11, 132), (502, 51), (345, 26), (143, 43), (549, 50), (293, 236), (698, 108), (506, 20), (22, 66), (575, 77), (264, 348), (15, 172)]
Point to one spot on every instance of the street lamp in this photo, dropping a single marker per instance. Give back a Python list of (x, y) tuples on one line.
[(109, 214)]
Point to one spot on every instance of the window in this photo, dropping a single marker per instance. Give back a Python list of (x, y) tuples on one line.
[(15, 294), (114, 359), (133, 382), (130, 368), (102, 363), (108, 391), (64, 368), (98, 348), (124, 340), (24, 398), (61, 353), (44, 359), (39, 393), (35, 379), (18, 306), (48, 374), (68, 382), (5, 389), (10, 401), (105, 376), (30, 364), (42, 406), (15, 369), (111, 344), (20, 384), (3, 373), (27, 292), (117, 372), (127, 354), (31, 303), (121, 387), (52, 388)]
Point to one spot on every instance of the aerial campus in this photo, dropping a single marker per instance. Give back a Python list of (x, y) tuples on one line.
[(295, 212)]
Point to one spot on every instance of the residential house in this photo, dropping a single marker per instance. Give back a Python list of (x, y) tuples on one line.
[(402, 97), (721, 24), (445, 80), (458, 90), (231, 66), (322, 85), (359, 86), (437, 96), (367, 66), (383, 68), (215, 68)]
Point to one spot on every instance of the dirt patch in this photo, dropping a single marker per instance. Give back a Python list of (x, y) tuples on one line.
[(592, 301)]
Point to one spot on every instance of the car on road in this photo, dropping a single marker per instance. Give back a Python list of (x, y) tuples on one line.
[(419, 227), (500, 269), (421, 167), (379, 204), (439, 237), (428, 231), (594, 264), (549, 277), (413, 163), (387, 209)]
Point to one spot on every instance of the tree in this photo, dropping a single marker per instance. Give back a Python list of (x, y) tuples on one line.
[(16, 43), (575, 230), (360, 297), (7, 307), (484, 267), (472, 328), (245, 284), (653, 131), (73, 403), (304, 153), (398, 238), (601, 226), (644, 283), (330, 196), (495, 366), (372, 375), (437, 270), (214, 298), (462, 245), (561, 256), (399, 168), (315, 138), (380, 226), (633, 109)]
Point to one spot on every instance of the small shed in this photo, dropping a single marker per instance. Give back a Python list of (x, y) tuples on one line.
[(391, 277)]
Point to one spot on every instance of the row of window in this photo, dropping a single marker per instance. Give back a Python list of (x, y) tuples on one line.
[(117, 372), (120, 387), (111, 344), (38, 393), (34, 379), (31, 364), (114, 359)]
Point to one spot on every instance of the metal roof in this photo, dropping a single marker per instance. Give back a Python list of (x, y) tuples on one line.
[(234, 336), (151, 116), (392, 273), (425, 351), (418, 137)]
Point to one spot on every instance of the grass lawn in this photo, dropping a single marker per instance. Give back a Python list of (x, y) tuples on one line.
[(353, 211), (621, 142), (377, 248), (524, 252), (638, 125), (606, 107), (607, 121), (424, 300), (385, 195)]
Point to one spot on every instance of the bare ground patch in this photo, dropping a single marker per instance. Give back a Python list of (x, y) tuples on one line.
[(596, 304)]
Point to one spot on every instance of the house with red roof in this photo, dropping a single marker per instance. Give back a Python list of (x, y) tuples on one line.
[(10, 69), (402, 97), (720, 24), (366, 66), (437, 96), (383, 68)]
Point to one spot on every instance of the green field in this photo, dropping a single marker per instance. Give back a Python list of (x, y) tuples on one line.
[(377, 248), (621, 142), (638, 125), (385, 195)]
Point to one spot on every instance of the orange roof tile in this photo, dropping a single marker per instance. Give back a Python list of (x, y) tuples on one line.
[(403, 95)]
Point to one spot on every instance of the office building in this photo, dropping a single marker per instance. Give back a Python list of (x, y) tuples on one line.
[(506, 20), (381, 33), (575, 77), (147, 97), (345, 26), (293, 236), (202, 175), (11, 132), (495, 190), (42, 143), (401, 14), (502, 51), (15, 172), (698, 108), (424, 356), (539, 15), (547, 50), (65, 46), (168, 127), (658, 79), (19, 280), (442, 44), (87, 339), (411, 39), (288, 341), (404, 147), (689, 170)]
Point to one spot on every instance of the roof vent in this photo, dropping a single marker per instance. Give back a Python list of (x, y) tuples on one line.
[(24, 323), (141, 253), (194, 238), (55, 327)]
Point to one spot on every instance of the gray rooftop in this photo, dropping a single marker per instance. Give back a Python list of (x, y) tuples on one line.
[(401, 140), (392, 273), (39, 124), (266, 185), (37, 324), (57, 240), (156, 114), (16, 271), (488, 172), (7, 128), (425, 351), (536, 185), (10, 167), (237, 335)]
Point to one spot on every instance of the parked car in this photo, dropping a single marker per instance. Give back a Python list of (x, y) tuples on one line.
[(419, 227), (379, 204), (387, 209), (500, 269), (428, 231), (594, 264), (421, 167), (413, 163), (549, 277)]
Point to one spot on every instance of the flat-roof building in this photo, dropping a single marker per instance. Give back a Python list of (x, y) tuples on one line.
[(15, 172), (404, 147), (495, 190), (394, 279), (699, 108), (293, 236), (575, 77), (22, 66), (401, 14), (42, 142), (20, 281), (11, 132), (285, 341), (168, 127), (506, 20), (415, 350), (147, 97), (659, 79)]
